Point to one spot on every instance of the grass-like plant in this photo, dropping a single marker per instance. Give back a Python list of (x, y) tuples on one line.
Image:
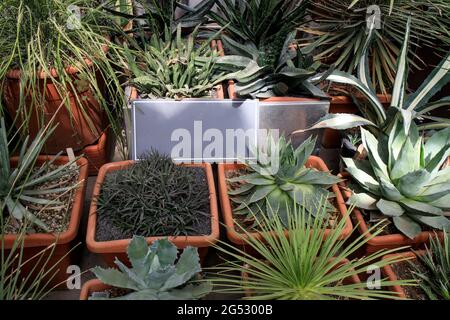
[(436, 261), (156, 273), (44, 36), (304, 265), (26, 184), (340, 30), (154, 197)]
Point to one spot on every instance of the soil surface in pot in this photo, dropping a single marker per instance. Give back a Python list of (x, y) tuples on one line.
[(106, 230), (111, 293), (403, 270), (56, 217), (241, 221)]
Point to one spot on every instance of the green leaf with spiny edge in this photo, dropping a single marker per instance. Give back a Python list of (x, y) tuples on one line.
[(435, 222), (165, 251), (363, 200), (418, 207), (390, 208), (362, 174), (187, 267), (389, 190), (244, 189), (261, 192), (338, 121), (443, 202), (371, 145), (405, 162), (407, 226), (115, 278), (413, 183)]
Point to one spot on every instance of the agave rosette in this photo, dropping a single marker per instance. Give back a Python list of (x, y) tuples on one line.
[(403, 178), (268, 190)]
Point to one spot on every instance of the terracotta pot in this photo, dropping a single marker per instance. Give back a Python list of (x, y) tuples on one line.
[(390, 241), (62, 256), (92, 286), (227, 212), (389, 272), (354, 279), (344, 104), (97, 154), (109, 250), (83, 128)]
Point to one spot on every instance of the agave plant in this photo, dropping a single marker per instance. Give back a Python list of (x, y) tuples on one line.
[(403, 179), (435, 282), (302, 265), (409, 107), (340, 30), (292, 183), (24, 185), (154, 274), (176, 68)]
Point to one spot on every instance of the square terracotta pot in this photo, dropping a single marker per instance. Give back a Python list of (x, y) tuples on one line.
[(92, 286), (227, 212), (63, 254), (109, 250)]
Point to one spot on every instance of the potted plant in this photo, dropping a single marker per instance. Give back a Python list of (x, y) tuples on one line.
[(156, 273), (410, 107), (154, 198), (300, 264), (300, 179), (63, 75), (430, 268), (46, 195), (402, 181)]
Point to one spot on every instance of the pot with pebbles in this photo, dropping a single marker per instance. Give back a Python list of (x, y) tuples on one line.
[(301, 179), (158, 272), (154, 198), (45, 195)]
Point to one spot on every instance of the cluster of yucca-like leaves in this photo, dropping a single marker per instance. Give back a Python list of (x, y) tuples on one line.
[(435, 282), (154, 197), (304, 265), (156, 273), (403, 179), (410, 108), (25, 184), (281, 188)]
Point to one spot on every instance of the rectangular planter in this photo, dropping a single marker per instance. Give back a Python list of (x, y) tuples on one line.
[(390, 241), (97, 154), (92, 286), (227, 212), (62, 255), (109, 250)]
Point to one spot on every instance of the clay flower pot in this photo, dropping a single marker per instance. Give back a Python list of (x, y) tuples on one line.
[(389, 272), (80, 127), (62, 255), (390, 241), (92, 286), (109, 250), (227, 212)]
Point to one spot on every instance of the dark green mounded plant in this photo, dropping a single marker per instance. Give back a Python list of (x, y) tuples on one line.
[(154, 197), (340, 30), (291, 183), (175, 67), (44, 36), (25, 185), (156, 273), (403, 179), (436, 261), (411, 107), (302, 265)]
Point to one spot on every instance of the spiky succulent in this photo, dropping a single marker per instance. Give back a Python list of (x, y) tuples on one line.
[(26, 184), (435, 282), (280, 188), (155, 197), (175, 67), (154, 275), (403, 178), (274, 69)]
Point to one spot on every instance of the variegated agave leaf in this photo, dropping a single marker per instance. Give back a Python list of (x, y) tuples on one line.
[(293, 184), (155, 272), (405, 181)]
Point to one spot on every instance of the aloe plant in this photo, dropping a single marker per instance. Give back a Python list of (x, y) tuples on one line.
[(409, 107), (23, 185), (305, 264), (403, 179), (154, 274), (292, 183), (174, 67)]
